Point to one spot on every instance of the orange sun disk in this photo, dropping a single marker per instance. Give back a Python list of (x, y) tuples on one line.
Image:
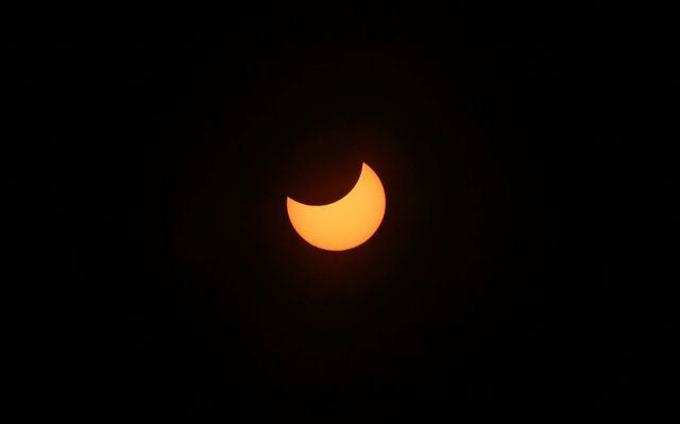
[(345, 223)]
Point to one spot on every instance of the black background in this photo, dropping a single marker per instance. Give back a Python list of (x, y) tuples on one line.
[(495, 283)]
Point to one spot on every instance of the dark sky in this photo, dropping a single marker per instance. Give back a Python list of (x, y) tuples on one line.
[(493, 284)]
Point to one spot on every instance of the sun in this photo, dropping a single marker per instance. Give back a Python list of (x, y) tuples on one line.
[(345, 223)]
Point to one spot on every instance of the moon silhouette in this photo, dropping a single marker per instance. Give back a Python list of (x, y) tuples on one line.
[(345, 223)]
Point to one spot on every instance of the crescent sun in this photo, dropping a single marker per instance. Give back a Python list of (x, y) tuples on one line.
[(345, 223)]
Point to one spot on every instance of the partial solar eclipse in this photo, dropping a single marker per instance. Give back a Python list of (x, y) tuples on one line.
[(345, 223)]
